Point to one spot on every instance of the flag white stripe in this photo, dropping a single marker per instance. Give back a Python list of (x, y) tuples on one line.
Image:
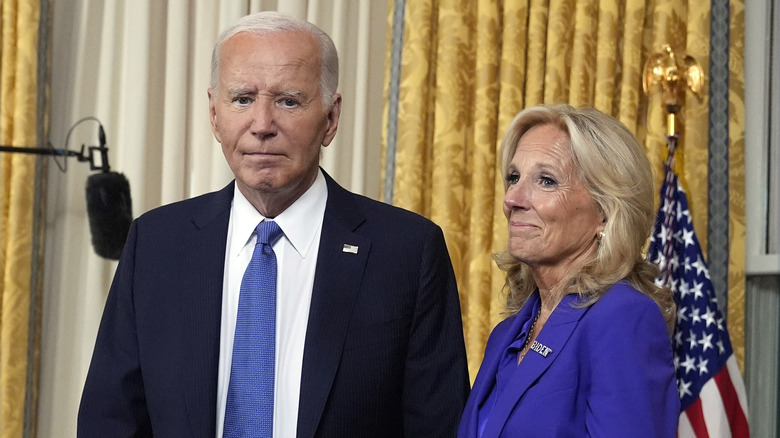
[(684, 427), (714, 413), (736, 381)]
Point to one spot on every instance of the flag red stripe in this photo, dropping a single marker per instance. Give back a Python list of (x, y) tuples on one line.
[(696, 417), (736, 416)]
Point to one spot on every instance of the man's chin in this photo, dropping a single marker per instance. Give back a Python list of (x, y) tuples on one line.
[(274, 181), (263, 186)]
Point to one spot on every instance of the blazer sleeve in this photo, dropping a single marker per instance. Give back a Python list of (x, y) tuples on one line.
[(632, 389), (113, 402), (436, 382)]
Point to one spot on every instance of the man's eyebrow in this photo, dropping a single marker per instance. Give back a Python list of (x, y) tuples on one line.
[(291, 93), (236, 91)]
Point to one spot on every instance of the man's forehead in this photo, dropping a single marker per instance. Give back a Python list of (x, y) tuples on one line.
[(300, 39), (279, 50)]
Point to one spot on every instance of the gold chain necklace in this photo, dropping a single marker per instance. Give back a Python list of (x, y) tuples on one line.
[(527, 341)]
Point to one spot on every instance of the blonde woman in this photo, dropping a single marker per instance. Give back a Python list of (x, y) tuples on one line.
[(586, 350)]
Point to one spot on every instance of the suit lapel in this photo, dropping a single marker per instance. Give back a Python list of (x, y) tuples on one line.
[(202, 277), (336, 283), (554, 335)]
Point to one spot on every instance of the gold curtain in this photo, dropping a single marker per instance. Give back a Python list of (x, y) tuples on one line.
[(18, 127), (468, 66)]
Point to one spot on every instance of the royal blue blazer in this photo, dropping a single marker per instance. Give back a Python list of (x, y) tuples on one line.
[(608, 373), (383, 356)]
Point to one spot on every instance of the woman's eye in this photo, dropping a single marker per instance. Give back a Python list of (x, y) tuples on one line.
[(513, 178), (548, 182)]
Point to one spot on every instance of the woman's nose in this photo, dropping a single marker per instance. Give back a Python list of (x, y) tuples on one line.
[(516, 196)]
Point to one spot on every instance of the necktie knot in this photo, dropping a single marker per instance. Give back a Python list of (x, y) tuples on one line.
[(268, 232)]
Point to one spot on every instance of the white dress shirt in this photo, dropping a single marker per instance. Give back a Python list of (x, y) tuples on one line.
[(296, 255)]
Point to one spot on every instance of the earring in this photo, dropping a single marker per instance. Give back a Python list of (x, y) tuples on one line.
[(600, 236)]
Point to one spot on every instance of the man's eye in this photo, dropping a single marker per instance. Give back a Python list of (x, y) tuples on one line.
[(288, 102), (243, 100), (513, 178)]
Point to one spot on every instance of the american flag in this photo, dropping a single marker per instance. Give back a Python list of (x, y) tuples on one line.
[(712, 393)]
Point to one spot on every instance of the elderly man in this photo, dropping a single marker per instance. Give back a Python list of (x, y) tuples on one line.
[(282, 305)]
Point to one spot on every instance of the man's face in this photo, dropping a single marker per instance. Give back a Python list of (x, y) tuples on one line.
[(268, 114)]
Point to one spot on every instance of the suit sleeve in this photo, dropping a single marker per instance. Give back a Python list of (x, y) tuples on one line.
[(113, 402), (436, 381), (632, 389)]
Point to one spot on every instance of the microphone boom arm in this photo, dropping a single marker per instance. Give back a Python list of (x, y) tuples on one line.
[(96, 155), (96, 162)]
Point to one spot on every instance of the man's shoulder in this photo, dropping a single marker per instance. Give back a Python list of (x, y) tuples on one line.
[(385, 209), (185, 209), (386, 213)]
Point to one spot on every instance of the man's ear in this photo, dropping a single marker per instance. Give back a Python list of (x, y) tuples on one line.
[(213, 115), (333, 120)]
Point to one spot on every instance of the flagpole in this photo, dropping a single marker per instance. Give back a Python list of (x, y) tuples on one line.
[(712, 395), (662, 71)]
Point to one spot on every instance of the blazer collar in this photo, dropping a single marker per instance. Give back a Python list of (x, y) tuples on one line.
[(553, 338), (217, 206)]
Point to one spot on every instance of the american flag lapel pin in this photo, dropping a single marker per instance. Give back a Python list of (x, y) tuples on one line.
[(350, 248)]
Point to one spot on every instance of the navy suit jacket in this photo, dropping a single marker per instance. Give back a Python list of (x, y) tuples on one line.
[(384, 352), (609, 373)]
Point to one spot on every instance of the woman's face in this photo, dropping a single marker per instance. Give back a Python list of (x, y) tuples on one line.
[(553, 220)]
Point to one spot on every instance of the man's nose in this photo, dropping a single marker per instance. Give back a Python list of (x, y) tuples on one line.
[(263, 123)]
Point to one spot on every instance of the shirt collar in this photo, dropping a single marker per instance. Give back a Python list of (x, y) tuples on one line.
[(300, 222)]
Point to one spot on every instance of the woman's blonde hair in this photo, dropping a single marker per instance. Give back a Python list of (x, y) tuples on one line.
[(617, 174)]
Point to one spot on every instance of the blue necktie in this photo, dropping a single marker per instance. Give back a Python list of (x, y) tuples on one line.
[(250, 402)]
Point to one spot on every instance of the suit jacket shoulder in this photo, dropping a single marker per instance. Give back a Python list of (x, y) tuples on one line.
[(359, 210), (197, 211)]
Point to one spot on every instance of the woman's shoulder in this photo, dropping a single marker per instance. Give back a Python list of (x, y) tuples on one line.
[(623, 294), (623, 302)]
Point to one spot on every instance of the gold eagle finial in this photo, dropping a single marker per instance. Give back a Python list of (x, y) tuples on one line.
[(662, 69)]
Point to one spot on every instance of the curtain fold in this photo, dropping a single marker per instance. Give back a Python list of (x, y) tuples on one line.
[(19, 123), (466, 68)]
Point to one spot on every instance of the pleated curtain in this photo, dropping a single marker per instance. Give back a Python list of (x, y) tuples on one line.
[(460, 70), (22, 124)]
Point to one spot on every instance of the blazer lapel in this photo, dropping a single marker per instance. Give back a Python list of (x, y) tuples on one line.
[(483, 384), (340, 265), (202, 277), (554, 335)]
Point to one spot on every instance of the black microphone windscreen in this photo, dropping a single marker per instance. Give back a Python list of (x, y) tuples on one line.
[(110, 212)]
